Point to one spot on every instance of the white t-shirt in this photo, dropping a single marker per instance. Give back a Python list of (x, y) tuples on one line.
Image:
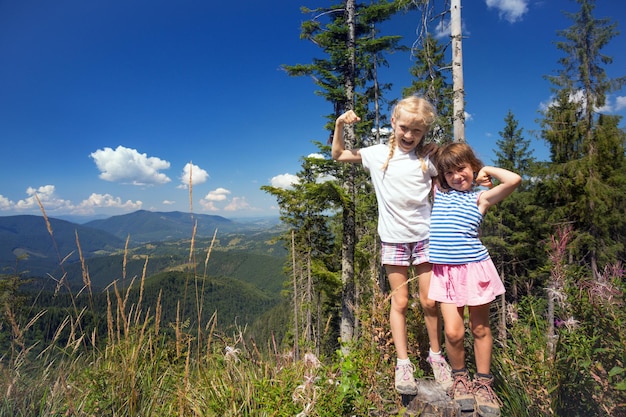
[(402, 193)]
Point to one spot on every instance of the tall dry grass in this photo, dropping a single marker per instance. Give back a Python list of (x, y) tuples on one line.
[(138, 369)]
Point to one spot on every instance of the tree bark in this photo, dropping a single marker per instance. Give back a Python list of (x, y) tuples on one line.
[(349, 229), (457, 72), (296, 335)]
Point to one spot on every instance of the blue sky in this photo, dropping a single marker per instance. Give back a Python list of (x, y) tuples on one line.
[(105, 104)]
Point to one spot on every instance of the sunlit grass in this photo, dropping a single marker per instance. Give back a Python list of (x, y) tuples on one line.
[(138, 365)]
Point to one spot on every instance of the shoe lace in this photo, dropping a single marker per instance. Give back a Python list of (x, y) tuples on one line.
[(460, 380), (407, 370), (483, 389), (441, 370)]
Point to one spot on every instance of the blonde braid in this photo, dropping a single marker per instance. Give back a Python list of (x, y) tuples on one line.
[(392, 148)]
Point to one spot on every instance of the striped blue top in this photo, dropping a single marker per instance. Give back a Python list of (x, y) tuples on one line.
[(455, 227)]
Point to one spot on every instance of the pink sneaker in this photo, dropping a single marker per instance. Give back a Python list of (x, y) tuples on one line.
[(405, 381), (442, 371)]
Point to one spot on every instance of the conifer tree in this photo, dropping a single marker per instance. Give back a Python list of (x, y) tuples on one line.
[(509, 229), (304, 208), (585, 183), (431, 81)]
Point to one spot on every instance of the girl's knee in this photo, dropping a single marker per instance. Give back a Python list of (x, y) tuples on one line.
[(481, 331), (455, 335), (427, 303), (400, 303)]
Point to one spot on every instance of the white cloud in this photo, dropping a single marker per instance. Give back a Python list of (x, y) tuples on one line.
[(52, 203), (5, 203), (46, 195), (168, 202), (284, 181), (509, 10), (579, 98), (316, 156), (129, 166), (217, 198), (238, 203), (620, 103), (444, 31), (208, 205), (219, 194), (198, 175), (96, 200)]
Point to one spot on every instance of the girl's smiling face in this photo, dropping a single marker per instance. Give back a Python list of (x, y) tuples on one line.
[(460, 178), (409, 130)]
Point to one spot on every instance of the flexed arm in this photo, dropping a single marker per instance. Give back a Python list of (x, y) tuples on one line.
[(339, 151), (508, 182)]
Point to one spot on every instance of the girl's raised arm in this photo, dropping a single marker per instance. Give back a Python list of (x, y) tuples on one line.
[(508, 182), (339, 151)]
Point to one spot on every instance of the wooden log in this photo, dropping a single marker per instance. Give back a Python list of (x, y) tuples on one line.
[(431, 401)]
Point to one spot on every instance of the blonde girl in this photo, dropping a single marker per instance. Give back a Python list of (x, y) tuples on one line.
[(401, 174)]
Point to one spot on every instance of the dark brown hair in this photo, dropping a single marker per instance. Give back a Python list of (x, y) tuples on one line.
[(452, 156)]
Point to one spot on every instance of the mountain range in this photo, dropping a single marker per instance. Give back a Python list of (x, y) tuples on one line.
[(234, 267), (33, 247)]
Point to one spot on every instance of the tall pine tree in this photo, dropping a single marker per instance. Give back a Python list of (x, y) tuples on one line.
[(585, 184)]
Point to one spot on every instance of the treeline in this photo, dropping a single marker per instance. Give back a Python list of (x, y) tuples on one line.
[(233, 288), (225, 301)]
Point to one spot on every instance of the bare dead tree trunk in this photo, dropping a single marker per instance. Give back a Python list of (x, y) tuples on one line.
[(318, 337), (296, 336), (376, 99), (309, 301), (457, 72), (349, 229)]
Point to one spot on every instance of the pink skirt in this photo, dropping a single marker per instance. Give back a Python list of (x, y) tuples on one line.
[(471, 284)]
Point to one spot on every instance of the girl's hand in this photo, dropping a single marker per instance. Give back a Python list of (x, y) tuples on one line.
[(348, 117), (483, 179)]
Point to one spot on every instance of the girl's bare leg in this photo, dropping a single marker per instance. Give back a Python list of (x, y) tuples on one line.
[(429, 307), (398, 281), (483, 339), (454, 328)]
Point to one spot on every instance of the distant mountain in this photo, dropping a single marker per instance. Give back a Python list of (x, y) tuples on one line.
[(27, 247), (239, 274), (26, 244), (148, 226)]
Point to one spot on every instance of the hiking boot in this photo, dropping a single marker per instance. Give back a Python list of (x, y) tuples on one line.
[(487, 402), (405, 382), (461, 391), (442, 371)]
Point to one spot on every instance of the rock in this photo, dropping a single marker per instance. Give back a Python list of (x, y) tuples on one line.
[(431, 401)]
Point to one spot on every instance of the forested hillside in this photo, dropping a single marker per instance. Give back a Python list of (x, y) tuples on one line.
[(26, 246), (181, 297), (236, 275)]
